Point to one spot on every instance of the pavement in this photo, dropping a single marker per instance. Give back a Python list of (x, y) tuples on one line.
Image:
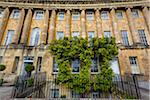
[(5, 92)]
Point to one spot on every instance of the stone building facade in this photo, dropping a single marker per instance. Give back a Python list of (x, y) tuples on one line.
[(26, 29)]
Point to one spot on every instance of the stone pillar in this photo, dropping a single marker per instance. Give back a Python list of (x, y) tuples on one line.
[(132, 28), (98, 23), (146, 16), (19, 27), (68, 24), (26, 27), (83, 24), (52, 26), (4, 22), (115, 26), (45, 28)]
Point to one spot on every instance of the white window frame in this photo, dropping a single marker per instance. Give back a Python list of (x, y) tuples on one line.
[(33, 40), (115, 65), (16, 15), (59, 37), (134, 65), (90, 15), (39, 14), (125, 39), (107, 35), (9, 37), (75, 34), (142, 37), (75, 16), (105, 15), (61, 16)]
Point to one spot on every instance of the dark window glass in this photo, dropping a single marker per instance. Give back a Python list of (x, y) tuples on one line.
[(39, 64), (55, 65), (55, 93), (94, 67), (75, 65)]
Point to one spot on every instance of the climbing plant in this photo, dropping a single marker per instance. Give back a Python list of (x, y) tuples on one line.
[(67, 49)]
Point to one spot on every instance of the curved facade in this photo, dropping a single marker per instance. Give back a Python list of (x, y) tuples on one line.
[(27, 28)]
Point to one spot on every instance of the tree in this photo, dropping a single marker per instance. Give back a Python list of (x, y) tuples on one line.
[(67, 49), (29, 68)]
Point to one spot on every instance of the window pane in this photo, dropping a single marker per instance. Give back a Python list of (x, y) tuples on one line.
[(39, 64), (135, 13), (134, 65), (124, 37), (90, 15), (75, 95), (61, 15), (39, 15), (94, 67), (55, 93), (60, 35), (75, 34), (75, 16), (91, 35), (107, 34), (55, 65), (35, 37), (115, 65), (104, 15), (9, 37), (16, 14), (142, 37), (119, 15), (75, 65)]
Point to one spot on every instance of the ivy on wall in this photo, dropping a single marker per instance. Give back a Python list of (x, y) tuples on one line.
[(67, 49)]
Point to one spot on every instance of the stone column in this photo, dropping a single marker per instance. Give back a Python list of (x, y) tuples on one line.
[(146, 16), (115, 26), (83, 24), (26, 27), (132, 28), (52, 26), (19, 27), (4, 22), (45, 28), (68, 24), (98, 23)]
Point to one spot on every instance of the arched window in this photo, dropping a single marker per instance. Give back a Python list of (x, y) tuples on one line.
[(35, 36)]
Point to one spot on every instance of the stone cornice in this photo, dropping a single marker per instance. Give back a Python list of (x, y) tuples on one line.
[(75, 6)]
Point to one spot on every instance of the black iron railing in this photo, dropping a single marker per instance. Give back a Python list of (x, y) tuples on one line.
[(125, 87)]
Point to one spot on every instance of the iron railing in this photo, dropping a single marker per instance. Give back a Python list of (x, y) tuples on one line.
[(126, 87)]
